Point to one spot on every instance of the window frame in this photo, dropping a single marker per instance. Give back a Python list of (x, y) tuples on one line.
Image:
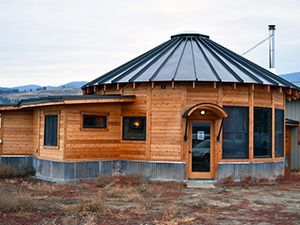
[(145, 128), (283, 132), (82, 114), (58, 130), (266, 157), (248, 132)]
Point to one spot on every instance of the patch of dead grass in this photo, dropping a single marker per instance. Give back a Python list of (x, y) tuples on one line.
[(128, 193), (14, 202)]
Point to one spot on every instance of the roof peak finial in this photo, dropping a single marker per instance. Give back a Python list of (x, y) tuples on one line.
[(189, 34)]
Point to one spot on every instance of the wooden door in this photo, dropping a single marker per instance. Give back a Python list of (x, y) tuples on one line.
[(201, 149)]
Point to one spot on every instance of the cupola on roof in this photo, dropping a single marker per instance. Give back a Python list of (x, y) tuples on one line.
[(190, 57)]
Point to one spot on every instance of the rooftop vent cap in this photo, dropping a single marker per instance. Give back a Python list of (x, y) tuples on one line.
[(189, 34)]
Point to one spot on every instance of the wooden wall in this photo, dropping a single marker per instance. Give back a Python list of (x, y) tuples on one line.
[(17, 132), (83, 143), (163, 105), (51, 152)]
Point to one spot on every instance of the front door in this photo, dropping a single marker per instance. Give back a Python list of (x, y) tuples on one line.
[(200, 162)]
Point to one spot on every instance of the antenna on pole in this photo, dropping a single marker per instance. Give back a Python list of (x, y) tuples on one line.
[(272, 48)]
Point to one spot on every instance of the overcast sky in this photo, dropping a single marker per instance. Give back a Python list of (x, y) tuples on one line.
[(51, 42)]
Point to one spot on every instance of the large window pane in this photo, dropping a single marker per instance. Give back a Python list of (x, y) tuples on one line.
[(279, 132), (262, 132), (50, 130), (134, 128), (236, 133)]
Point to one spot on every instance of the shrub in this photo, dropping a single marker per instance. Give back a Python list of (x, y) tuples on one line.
[(7, 171), (24, 170)]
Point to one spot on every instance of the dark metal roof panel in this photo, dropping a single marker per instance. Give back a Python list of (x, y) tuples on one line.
[(166, 73), (186, 68), (191, 57), (203, 69)]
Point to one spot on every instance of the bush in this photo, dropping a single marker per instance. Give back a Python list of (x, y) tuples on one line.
[(24, 170), (7, 171)]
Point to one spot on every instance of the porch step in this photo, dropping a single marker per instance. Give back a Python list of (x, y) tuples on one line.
[(205, 184)]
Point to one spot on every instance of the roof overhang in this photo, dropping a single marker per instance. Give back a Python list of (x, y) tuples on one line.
[(68, 100), (290, 122)]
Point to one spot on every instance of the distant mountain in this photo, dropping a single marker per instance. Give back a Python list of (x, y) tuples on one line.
[(292, 77), (73, 84), (34, 87), (30, 87)]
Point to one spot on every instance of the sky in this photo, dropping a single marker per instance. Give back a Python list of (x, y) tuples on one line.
[(52, 42)]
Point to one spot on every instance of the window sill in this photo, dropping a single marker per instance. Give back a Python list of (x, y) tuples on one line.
[(94, 129), (134, 141), (51, 147)]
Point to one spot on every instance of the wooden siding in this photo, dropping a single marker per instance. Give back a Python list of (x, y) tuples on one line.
[(163, 105), (17, 133), (82, 143)]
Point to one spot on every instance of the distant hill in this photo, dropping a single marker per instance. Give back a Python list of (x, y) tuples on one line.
[(292, 77), (34, 87), (14, 94), (73, 84)]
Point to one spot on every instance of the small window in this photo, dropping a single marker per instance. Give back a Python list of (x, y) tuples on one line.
[(279, 132), (50, 130), (262, 132), (236, 133), (94, 121), (134, 128)]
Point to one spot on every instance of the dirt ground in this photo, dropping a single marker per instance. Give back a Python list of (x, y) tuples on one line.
[(132, 200)]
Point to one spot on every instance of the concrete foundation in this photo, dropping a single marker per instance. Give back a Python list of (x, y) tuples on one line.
[(72, 171), (257, 170)]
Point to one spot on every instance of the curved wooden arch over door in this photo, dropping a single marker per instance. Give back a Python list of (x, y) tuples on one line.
[(218, 110)]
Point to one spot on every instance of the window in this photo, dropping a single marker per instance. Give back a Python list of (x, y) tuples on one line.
[(279, 132), (94, 121), (50, 130), (262, 132), (134, 128), (236, 133)]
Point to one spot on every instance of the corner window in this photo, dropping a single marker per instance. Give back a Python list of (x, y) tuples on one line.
[(279, 133), (50, 130), (134, 128), (94, 121), (262, 132), (236, 133)]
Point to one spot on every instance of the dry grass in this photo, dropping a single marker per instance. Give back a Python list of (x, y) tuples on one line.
[(12, 202), (92, 205), (246, 181), (133, 200), (127, 193)]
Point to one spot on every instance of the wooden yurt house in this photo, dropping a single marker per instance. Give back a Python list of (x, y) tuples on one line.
[(187, 109)]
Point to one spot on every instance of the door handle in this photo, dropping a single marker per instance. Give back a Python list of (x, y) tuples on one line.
[(190, 152)]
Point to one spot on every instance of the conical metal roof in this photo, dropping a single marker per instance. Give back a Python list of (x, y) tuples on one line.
[(190, 57)]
